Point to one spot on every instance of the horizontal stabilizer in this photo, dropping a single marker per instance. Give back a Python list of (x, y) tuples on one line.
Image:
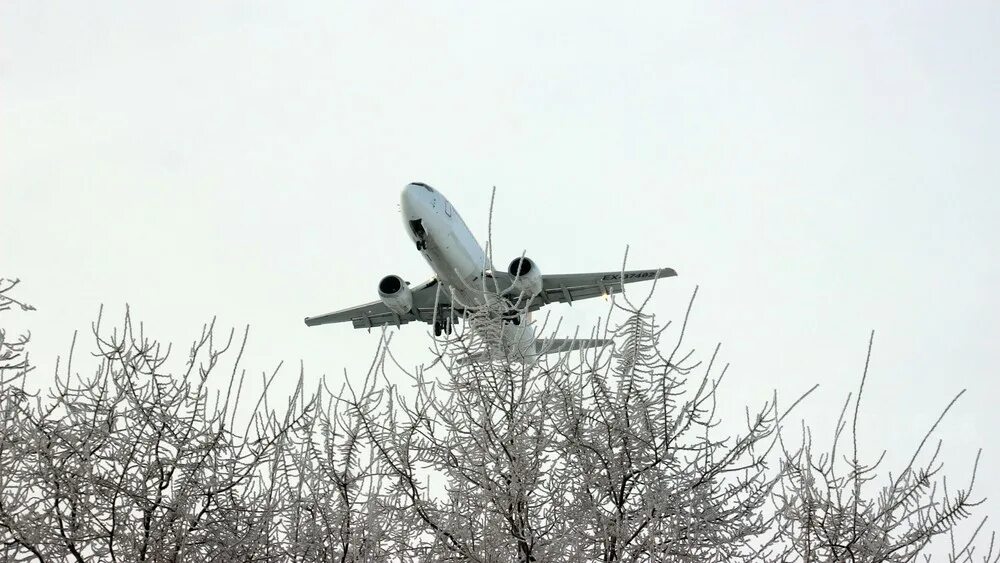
[(558, 345), (544, 346)]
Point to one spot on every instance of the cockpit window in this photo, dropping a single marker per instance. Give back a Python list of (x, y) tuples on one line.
[(424, 186)]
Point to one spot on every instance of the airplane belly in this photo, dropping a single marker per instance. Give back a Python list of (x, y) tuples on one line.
[(462, 260), (456, 267), (520, 338), (516, 342)]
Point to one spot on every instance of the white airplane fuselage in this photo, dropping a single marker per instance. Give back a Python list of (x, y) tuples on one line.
[(466, 287), (452, 252)]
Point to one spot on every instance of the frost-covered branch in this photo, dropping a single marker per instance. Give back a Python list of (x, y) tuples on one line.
[(483, 453)]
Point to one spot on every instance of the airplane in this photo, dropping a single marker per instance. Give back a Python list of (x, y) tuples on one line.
[(464, 280)]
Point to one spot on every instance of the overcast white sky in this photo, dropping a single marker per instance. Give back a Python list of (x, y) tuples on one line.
[(820, 171)]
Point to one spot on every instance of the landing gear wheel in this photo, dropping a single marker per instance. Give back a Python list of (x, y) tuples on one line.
[(444, 323), (512, 317), (421, 245)]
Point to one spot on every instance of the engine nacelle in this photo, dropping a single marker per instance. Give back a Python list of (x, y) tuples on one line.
[(396, 294), (527, 277)]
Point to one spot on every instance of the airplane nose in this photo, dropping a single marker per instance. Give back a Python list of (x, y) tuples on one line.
[(409, 200), (413, 199)]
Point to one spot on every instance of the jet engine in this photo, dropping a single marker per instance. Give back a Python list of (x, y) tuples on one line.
[(527, 278), (396, 294)]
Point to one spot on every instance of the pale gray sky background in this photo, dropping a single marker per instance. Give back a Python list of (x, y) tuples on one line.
[(819, 170)]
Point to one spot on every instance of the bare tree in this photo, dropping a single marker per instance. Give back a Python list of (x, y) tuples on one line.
[(827, 512), (649, 476), (13, 355), (607, 459), (14, 367), (619, 457), (335, 508), (142, 461), (136, 463), (471, 454), (613, 455)]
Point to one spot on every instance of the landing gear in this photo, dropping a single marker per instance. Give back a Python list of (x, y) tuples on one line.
[(512, 317), (443, 325), (421, 244)]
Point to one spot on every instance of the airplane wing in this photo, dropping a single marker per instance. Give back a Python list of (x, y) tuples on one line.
[(376, 313), (556, 288), (567, 288)]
